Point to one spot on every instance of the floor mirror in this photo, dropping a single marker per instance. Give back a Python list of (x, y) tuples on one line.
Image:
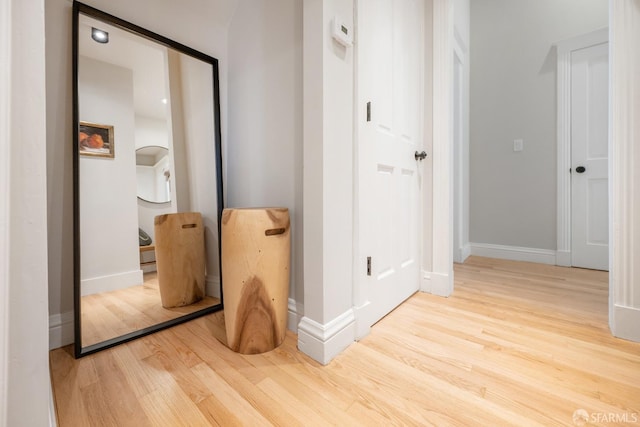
[(147, 142)]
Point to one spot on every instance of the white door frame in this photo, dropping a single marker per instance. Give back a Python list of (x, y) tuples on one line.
[(564, 50), (5, 137), (461, 246), (624, 146), (438, 277)]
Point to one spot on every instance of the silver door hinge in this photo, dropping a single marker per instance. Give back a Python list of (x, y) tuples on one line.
[(369, 111), (368, 266)]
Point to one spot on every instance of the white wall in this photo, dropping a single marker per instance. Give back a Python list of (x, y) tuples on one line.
[(24, 368), (108, 199), (264, 155), (328, 325), (202, 26), (150, 131), (513, 64)]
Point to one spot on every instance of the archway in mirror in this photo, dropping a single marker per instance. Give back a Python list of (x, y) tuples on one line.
[(153, 174)]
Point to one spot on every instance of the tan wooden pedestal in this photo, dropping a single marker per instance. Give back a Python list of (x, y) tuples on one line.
[(256, 250), (180, 258)]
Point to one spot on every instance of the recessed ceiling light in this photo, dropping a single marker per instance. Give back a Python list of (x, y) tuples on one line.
[(164, 100), (99, 35)]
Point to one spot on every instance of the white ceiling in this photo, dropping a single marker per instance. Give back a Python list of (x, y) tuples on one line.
[(145, 58)]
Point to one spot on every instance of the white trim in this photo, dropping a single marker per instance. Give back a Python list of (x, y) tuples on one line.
[(436, 283), (112, 282), (61, 330), (563, 136), (514, 253), (324, 342), (627, 322), (5, 137), (563, 258), (460, 168), (583, 41), (295, 311), (441, 284), (425, 282), (361, 312), (442, 229), (359, 293), (461, 254), (624, 136)]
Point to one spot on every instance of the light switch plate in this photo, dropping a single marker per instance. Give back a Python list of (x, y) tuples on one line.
[(518, 145)]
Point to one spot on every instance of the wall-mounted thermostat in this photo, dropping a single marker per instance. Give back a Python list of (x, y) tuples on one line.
[(341, 33)]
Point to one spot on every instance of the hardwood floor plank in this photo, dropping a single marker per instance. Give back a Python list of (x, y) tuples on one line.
[(218, 414), (312, 388), (169, 406), (516, 344), (69, 376), (112, 390), (229, 397)]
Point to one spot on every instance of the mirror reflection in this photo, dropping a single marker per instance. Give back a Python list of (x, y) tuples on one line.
[(153, 174), (147, 146)]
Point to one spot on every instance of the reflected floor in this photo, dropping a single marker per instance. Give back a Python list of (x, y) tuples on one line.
[(112, 314)]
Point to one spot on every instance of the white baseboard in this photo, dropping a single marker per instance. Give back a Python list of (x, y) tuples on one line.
[(563, 258), (61, 330), (461, 254), (323, 342), (436, 283), (295, 312), (363, 327), (425, 282), (441, 284), (514, 253), (212, 286), (111, 282), (626, 323)]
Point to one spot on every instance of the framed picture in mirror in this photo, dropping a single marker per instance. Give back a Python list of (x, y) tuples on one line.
[(95, 140)]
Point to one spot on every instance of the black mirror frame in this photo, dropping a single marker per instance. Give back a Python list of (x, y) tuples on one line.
[(79, 8)]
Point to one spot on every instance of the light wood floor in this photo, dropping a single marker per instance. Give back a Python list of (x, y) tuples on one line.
[(112, 314), (517, 344)]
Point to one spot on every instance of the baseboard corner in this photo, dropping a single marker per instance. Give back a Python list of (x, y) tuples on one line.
[(61, 331), (323, 342)]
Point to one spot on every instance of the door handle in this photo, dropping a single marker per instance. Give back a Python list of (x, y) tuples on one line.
[(420, 156), (581, 169)]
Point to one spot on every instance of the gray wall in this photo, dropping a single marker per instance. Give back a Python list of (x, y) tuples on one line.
[(264, 153), (513, 96)]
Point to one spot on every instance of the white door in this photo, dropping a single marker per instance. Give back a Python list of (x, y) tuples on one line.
[(390, 128), (589, 153)]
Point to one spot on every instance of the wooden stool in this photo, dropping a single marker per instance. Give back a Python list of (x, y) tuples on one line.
[(180, 258), (255, 277)]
